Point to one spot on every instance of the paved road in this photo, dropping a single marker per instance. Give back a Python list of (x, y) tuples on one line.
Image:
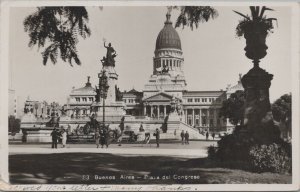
[(194, 150)]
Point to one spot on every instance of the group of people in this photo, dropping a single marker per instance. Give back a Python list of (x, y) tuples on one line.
[(185, 137), (56, 134), (207, 135)]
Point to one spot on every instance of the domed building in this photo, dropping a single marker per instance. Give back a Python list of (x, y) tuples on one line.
[(167, 85)]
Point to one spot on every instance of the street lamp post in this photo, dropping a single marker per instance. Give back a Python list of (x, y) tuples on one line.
[(103, 86)]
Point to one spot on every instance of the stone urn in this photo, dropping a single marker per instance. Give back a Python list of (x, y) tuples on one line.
[(256, 47)]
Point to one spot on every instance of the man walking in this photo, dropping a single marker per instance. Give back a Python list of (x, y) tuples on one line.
[(213, 136), (102, 137), (156, 134), (55, 136), (182, 137), (186, 136), (97, 137)]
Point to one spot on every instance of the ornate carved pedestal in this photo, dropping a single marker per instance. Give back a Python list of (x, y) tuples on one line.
[(258, 119)]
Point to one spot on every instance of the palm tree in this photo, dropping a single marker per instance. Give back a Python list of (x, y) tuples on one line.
[(58, 29), (193, 15)]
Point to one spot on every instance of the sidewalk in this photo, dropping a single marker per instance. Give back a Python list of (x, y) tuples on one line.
[(191, 153), (194, 150)]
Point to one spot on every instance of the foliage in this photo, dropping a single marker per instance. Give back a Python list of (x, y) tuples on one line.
[(233, 108), (257, 21), (57, 28), (212, 152), (270, 158), (234, 147), (13, 124), (282, 109), (193, 15)]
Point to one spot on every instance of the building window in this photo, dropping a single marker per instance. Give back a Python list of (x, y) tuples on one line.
[(77, 99), (204, 100), (84, 99), (91, 99), (197, 100), (189, 100), (209, 99)]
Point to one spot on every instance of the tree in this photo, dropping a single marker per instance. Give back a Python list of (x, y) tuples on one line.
[(57, 28), (233, 108), (193, 15), (13, 124), (282, 110)]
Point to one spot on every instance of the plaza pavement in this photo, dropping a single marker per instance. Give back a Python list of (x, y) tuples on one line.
[(195, 149)]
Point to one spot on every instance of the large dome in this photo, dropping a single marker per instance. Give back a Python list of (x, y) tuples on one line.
[(168, 37)]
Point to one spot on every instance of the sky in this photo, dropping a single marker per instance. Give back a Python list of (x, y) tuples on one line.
[(213, 55)]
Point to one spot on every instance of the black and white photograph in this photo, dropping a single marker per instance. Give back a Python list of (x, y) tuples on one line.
[(166, 96)]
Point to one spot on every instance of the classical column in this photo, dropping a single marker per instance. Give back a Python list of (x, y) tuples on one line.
[(200, 116), (193, 117), (145, 110), (158, 111), (165, 110), (151, 108), (215, 117)]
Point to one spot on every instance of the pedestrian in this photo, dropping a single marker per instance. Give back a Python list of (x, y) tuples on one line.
[(207, 135), (186, 136), (102, 137), (213, 136), (156, 134), (64, 138), (54, 135), (141, 128), (182, 137), (119, 135), (97, 137)]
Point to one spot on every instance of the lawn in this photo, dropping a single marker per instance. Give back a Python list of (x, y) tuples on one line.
[(91, 168)]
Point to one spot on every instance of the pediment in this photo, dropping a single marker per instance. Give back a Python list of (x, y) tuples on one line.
[(159, 97)]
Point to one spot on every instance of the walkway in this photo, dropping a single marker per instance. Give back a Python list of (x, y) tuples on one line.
[(195, 149)]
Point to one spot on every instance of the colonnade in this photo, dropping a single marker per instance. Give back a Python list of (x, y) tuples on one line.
[(194, 116), (156, 110)]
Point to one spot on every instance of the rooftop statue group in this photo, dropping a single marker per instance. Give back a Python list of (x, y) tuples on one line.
[(109, 60)]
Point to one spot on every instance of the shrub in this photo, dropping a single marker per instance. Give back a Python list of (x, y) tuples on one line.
[(271, 158), (211, 152), (234, 147)]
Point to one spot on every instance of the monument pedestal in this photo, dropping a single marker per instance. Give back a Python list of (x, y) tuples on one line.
[(258, 118), (113, 109)]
